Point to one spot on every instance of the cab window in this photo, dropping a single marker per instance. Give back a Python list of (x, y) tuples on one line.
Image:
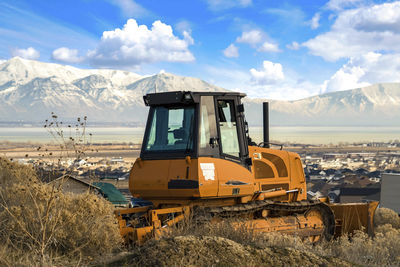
[(228, 128), (171, 129)]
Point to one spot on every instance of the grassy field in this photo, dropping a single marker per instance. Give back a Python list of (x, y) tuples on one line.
[(41, 226)]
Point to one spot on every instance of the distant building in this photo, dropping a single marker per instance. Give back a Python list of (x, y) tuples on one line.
[(359, 194), (332, 156), (79, 162), (70, 184), (117, 160), (334, 195), (390, 191)]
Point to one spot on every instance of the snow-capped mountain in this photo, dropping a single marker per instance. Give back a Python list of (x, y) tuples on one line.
[(31, 90), (21, 71), (375, 105)]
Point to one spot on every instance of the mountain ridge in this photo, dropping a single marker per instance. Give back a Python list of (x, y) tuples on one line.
[(30, 90)]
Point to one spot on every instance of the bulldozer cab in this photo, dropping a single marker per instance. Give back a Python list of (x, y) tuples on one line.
[(194, 124)]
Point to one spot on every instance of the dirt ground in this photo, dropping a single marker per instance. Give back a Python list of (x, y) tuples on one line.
[(219, 251)]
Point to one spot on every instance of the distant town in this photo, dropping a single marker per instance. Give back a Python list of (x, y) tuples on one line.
[(349, 173), (345, 172)]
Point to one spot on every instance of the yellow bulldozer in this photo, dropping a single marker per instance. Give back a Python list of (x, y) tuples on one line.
[(197, 160)]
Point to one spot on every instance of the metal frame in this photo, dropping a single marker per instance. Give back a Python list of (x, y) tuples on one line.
[(155, 229), (171, 154), (243, 147), (175, 99)]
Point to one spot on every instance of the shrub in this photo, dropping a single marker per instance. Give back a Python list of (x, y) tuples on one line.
[(52, 226), (387, 216)]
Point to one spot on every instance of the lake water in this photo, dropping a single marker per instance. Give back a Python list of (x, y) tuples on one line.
[(305, 135)]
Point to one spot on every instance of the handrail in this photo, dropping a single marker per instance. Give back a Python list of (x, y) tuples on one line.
[(263, 144)]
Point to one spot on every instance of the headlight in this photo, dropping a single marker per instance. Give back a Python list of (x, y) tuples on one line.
[(187, 96)]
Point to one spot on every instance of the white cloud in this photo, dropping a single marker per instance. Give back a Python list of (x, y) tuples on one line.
[(359, 31), (66, 55), (314, 23), (2, 61), (268, 47), (187, 37), (341, 4), (347, 77), (293, 46), (365, 70), (130, 8), (291, 88), (378, 18), (183, 26), (29, 53), (289, 14), (269, 74), (255, 37), (285, 91), (216, 5), (251, 37), (231, 51), (136, 44)]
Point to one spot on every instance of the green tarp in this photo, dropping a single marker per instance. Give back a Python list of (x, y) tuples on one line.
[(111, 193)]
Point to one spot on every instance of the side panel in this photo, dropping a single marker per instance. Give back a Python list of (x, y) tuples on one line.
[(269, 173), (148, 177), (298, 178), (275, 169), (231, 179), (182, 178), (152, 179), (208, 177), (205, 177)]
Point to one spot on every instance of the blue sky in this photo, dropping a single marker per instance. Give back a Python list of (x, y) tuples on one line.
[(276, 49)]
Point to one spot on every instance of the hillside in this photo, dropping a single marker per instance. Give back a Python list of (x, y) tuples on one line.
[(42, 226), (31, 90)]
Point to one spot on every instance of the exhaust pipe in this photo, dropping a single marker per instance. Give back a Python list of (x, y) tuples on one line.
[(266, 124)]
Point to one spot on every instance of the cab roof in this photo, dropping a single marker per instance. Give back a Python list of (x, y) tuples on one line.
[(183, 97)]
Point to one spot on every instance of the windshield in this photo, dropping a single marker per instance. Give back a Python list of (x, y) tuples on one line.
[(171, 129)]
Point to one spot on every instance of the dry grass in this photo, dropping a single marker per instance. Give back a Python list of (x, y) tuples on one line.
[(225, 244), (387, 216), (207, 250), (41, 226)]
